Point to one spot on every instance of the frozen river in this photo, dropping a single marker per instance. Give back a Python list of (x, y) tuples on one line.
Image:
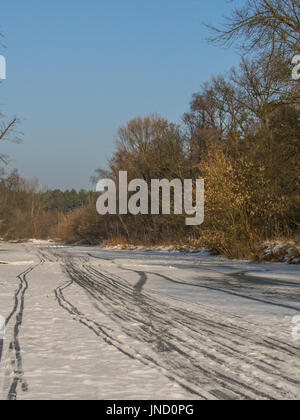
[(88, 323)]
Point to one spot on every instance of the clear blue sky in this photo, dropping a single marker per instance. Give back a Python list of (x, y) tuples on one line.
[(77, 70)]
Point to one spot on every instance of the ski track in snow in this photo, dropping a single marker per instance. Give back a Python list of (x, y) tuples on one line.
[(15, 373), (208, 352)]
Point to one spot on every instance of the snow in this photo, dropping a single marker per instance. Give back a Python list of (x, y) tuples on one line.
[(283, 251), (97, 323), (17, 263)]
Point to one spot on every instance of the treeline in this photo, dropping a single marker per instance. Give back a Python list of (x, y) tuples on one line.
[(241, 134), (26, 212), (250, 167)]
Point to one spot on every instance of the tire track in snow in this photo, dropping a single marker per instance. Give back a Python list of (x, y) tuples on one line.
[(15, 373), (103, 333), (275, 343), (128, 305), (232, 330), (228, 369)]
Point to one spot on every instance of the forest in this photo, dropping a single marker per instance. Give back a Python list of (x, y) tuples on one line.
[(240, 133)]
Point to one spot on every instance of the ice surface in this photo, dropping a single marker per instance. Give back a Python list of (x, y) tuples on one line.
[(88, 323)]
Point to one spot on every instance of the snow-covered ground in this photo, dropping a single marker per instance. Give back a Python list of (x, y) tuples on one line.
[(89, 323)]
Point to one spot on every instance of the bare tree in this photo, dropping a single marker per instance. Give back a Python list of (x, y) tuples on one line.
[(8, 128), (271, 26), (8, 133)]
